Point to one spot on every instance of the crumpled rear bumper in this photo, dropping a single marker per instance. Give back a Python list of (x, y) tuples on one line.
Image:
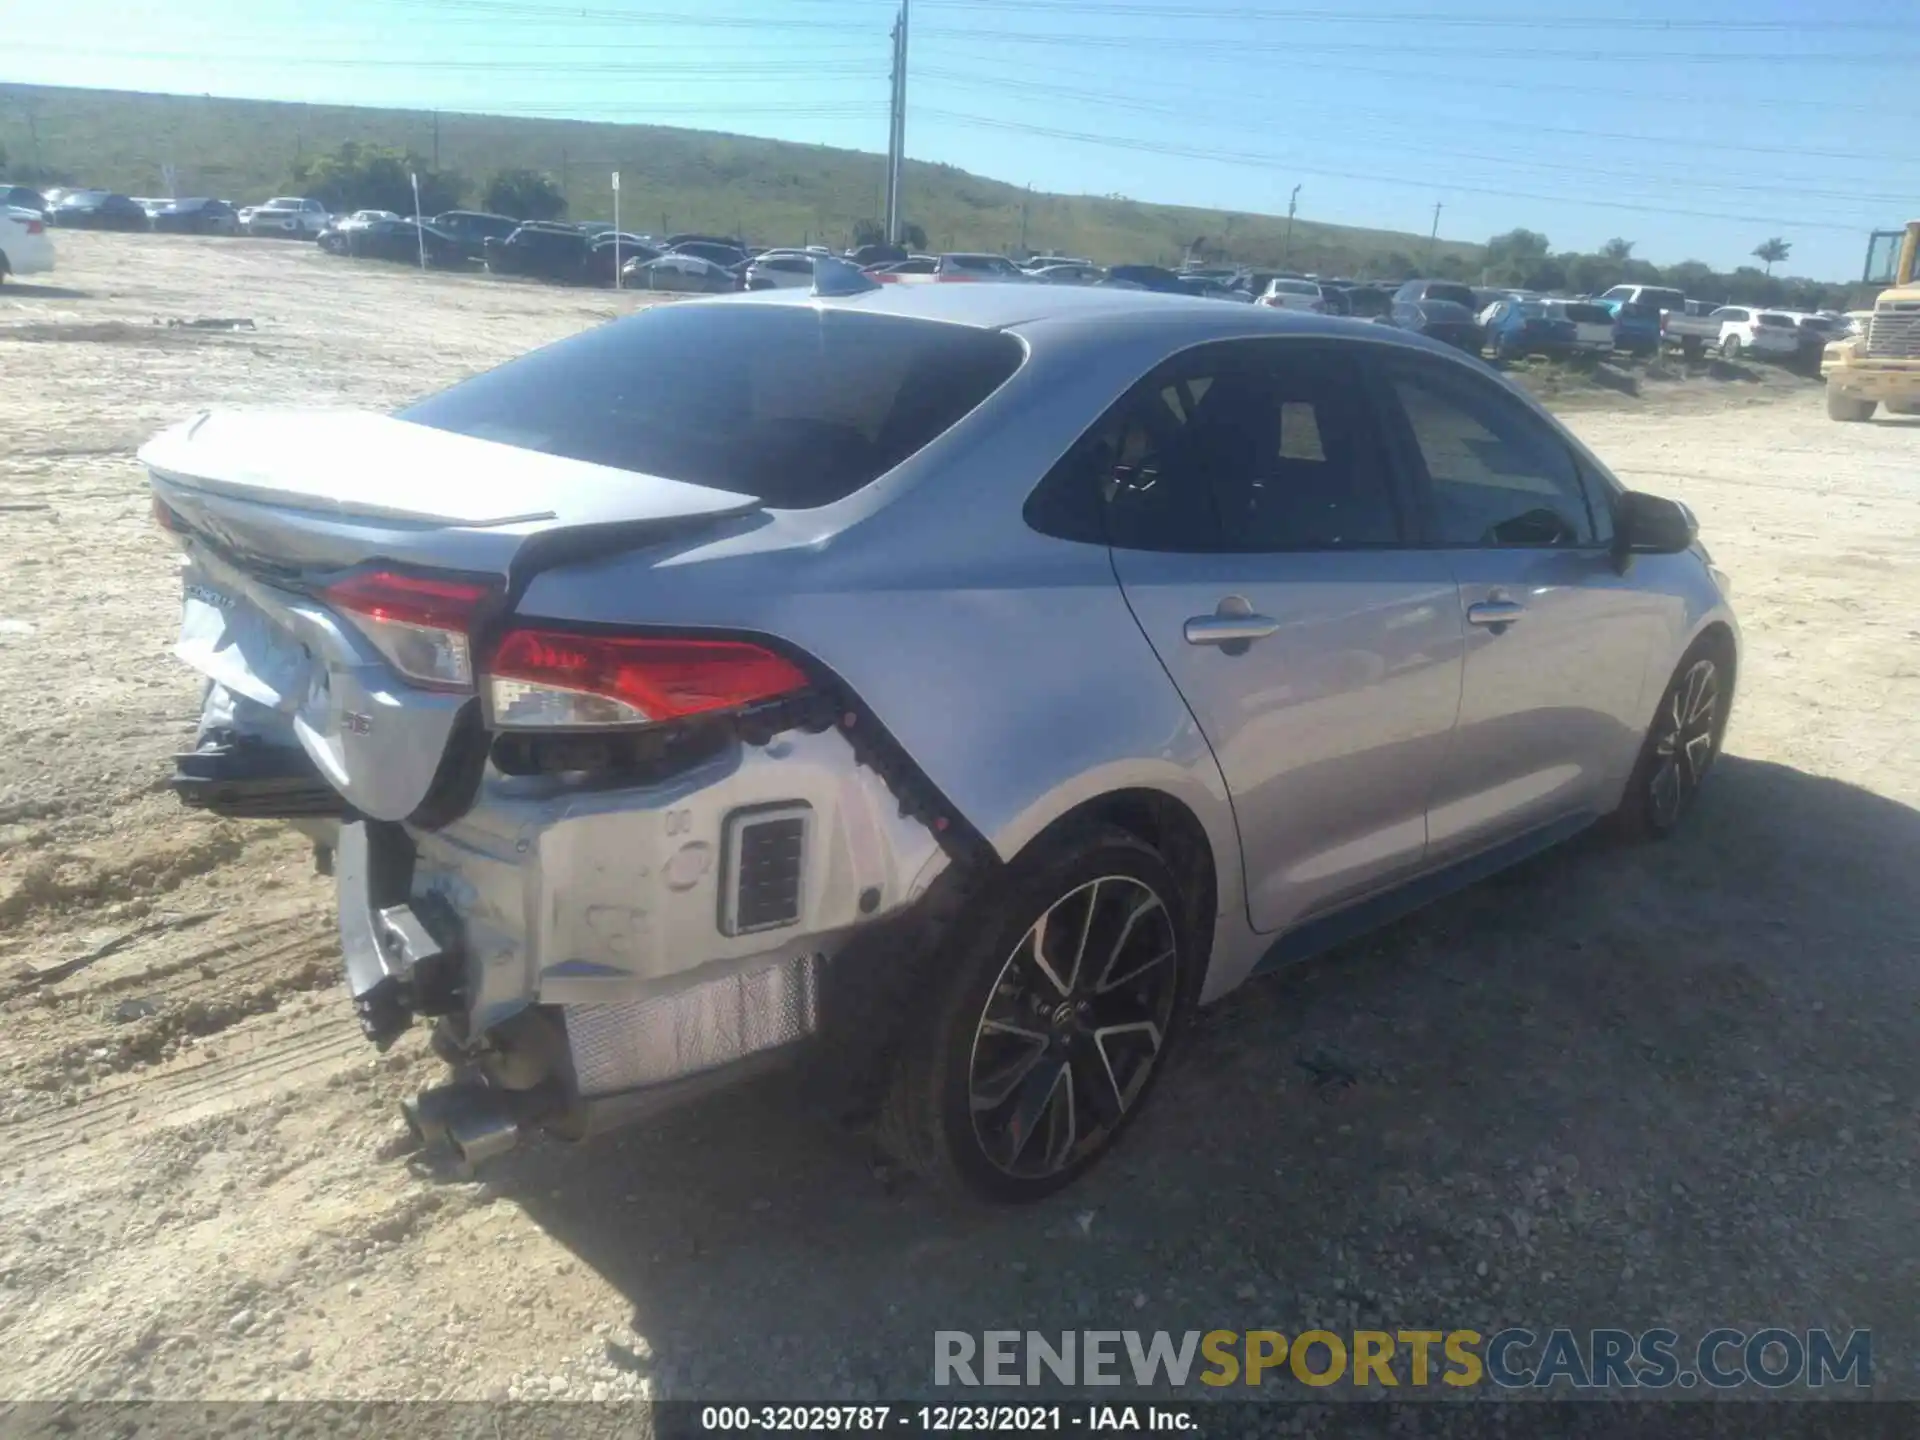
[(672, 928)]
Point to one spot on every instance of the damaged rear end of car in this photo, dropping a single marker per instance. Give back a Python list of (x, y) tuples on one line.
[(613, 859)]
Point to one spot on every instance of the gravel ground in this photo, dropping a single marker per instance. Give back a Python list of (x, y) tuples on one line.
[(1618, 1087)]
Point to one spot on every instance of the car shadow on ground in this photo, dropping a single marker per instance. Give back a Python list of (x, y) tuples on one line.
[(26, 290), (1619, 1085)]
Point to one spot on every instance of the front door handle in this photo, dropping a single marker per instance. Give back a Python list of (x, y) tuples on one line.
[(1229, 629), (1496, 614)]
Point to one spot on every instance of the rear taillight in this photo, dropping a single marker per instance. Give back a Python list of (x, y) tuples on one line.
[(36, 227), (557, 680), (420, 623), (165, 518)]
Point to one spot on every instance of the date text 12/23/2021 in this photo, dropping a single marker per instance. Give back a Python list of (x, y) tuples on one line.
[(948, 1419)]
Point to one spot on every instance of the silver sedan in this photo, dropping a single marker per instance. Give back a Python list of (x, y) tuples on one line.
[(945, 687)]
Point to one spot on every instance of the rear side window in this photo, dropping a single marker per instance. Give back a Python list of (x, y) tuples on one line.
[(796, 406), (1451, 294)]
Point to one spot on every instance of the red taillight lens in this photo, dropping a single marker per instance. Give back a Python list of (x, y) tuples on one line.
[(550, 679), (420, 623), (165, 518), (36, 227)]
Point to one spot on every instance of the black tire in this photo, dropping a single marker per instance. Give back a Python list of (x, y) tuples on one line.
[(1841, 406), (993, 1095), (1681, 745)]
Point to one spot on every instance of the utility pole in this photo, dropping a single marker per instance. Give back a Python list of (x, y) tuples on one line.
[(436, 140), (893, 140), (897, 131), (1026, 203), (1433, 236), (1286, 250)]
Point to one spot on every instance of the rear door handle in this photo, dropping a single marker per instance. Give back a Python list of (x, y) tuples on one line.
[(1228, 629), (1495, 613)]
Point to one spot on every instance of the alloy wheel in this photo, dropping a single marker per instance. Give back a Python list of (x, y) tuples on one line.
[(1683, 745), (1073, 1027)]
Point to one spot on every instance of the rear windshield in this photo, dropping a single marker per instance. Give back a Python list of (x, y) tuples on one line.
[(1295, 287), (1588, 314), (1456, 294), (1663, 299), (797, 406), (1770, 319), (990, 263)]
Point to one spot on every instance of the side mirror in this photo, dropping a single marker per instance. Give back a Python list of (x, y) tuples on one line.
[(1650, 525)]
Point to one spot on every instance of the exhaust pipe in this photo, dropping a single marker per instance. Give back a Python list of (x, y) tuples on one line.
[(474, 1122)]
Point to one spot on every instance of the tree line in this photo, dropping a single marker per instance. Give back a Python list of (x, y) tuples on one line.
[(354, 176), (1524, 260), (376, 177)]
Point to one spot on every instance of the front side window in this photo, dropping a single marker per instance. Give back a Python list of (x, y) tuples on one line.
[(1239, 448), (1495, 474)]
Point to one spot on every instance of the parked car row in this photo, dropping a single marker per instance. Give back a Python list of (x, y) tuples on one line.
[(1637, 319)]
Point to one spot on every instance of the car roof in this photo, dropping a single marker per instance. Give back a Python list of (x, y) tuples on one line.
[(1050, 308)]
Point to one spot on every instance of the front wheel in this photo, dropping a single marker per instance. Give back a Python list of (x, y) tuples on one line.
[(1730, 348), (1681, 746), (1053, 1020), (1842, 406)]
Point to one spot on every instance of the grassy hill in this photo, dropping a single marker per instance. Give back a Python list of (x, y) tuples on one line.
[(768, 190)]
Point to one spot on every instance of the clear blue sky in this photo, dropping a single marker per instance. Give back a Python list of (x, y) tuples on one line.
[(1695, 128)]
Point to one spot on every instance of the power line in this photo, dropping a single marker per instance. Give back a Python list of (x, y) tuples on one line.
[(1721, 180), (1268, 162), (1609, 92), (1481, 54), (702, 19), (760, 68), (1186, 12)]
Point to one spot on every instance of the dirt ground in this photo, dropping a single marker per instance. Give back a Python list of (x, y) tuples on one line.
[(1676, 1085)]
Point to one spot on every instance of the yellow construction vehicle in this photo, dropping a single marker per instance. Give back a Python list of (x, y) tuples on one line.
[(1880, 365)]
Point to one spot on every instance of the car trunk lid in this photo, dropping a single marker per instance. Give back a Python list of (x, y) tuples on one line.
[(272, 508)]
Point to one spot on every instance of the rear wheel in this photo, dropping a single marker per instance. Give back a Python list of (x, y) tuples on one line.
[(1058, 1007), (1681, 745), (1842, 406), (1730, 348)]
